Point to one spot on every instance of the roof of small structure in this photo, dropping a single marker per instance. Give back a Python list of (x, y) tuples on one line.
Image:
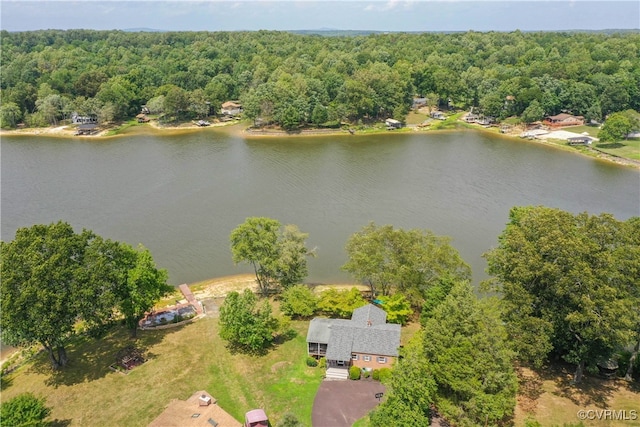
[(564, 116), (87, 126), (231, 104)]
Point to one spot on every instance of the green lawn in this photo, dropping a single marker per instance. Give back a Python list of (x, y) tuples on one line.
[(181, 361), (629, 149)]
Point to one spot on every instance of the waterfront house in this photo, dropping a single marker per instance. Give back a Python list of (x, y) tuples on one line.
[(366, 340), (231, 108), (564, 119), (77, 119)]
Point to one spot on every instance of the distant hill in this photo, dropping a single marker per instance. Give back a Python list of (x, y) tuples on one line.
[(143, 30)]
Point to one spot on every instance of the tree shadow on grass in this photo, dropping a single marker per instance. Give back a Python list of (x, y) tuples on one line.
[(610, 145), (90, 358), (59, 423), (593, 390), (5, 381)]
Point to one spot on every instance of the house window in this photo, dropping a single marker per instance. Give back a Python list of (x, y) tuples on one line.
[(382, 359), (367, 358), (354, 357)]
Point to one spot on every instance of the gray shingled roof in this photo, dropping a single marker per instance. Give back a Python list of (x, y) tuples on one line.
[(319, 331), (344, 337), (382, 339), (361, 316), (341, 341)]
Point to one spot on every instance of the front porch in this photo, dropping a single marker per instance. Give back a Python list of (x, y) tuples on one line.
[(337, 373)]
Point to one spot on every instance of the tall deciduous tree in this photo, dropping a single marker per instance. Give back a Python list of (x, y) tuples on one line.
[(144, 286), (39, 281), (53, 277), (619, 125), (10, 114), (244, 324), (567, 284), (410, 261), (277, 257)]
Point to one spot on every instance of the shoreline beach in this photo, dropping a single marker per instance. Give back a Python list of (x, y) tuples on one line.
[(243, 130)]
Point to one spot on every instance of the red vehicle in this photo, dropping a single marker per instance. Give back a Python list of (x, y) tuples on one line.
[(256, 418)]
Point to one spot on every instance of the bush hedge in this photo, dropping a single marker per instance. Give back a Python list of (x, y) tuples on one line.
[(354, 373)]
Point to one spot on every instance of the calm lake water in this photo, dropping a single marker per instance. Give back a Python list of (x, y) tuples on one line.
[(181, 195)]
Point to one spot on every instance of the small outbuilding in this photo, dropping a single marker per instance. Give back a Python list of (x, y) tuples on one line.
[(438, 115), (393, 124), (142, 118), (87, 129), (580, 140)]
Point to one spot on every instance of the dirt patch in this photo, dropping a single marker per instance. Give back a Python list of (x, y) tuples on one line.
[(279, 365), (549, 396), (221, 286)]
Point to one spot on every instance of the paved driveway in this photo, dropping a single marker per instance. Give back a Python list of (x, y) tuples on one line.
[(341, 403)]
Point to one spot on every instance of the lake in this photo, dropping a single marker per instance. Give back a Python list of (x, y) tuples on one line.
[(181, 195)]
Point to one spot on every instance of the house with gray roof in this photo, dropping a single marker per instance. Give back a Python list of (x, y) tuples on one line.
[(366, 340)]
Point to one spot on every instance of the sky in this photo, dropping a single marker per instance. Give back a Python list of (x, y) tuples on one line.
[(385, 15)]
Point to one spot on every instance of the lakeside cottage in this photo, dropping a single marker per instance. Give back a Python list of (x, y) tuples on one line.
[(438, 115), (77, 119), (393, 124), (231, 108), (564, 119), (366, 340)]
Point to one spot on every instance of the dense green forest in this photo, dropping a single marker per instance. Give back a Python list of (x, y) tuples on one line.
[(300, 79)]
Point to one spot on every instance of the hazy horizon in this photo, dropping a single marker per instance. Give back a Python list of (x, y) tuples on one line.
[(360, 15)]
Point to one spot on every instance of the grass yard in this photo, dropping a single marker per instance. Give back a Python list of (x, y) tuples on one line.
[(629, 149), (181, 361), (549, 397)]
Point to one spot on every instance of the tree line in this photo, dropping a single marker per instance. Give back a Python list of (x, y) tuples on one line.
[(300, 79)]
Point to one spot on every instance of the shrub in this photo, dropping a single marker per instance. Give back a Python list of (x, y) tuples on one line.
[(322, 362), (298, 301), (376, 374), (354, 373), (384, 374), (311, 362), (25, 410), (289, 420)]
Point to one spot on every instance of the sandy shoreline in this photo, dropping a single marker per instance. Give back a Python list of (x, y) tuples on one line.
[(240, 129)]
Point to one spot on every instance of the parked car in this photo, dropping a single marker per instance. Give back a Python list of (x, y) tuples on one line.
[(256, 418)]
